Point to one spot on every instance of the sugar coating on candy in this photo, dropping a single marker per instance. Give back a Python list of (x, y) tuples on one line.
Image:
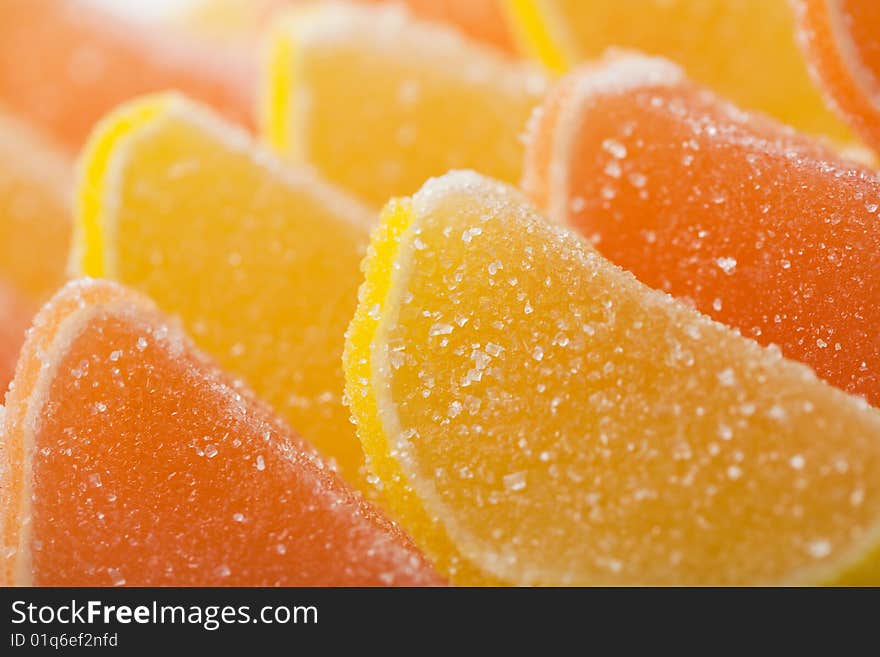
[(571, 426), (838, 38), (379, 101), (35, 184), (65, 63), (260, 261), (753, 224), (133, 460), (706, 37)]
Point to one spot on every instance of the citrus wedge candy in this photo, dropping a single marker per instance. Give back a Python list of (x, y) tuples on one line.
[(839, 38), (130, 458), (260, 262), (758, 226), (538, 416), (744, 49), (35, 213), (378, 100), (63, 64)]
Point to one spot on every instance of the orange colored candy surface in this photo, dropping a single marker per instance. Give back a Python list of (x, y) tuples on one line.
[(131, 459), (839, 38), (63, 65), (758, 227)]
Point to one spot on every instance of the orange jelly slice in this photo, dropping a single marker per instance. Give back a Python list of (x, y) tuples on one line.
[(130, 459), (755, 225), (840, 39), (64, 64), (539, 416)]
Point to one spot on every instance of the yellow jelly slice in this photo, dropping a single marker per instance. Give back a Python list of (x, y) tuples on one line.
[(260, 261), (538, 416), (378, 100), (35, 183), (746, 49)]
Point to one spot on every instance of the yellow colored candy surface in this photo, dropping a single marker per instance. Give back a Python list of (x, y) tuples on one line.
[(379, 101), (538, 416), (259, 261)]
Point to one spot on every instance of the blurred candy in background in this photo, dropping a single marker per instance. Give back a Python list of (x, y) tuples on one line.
[(601, 377)]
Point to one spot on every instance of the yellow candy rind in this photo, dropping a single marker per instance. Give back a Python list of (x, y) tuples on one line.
[(277, 85), (95, 166), (280, 122)]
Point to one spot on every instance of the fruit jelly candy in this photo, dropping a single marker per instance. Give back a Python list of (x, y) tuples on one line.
[(64, 63), (839, 38), (538, 416), (260, 261), (131, 459), (744, 49), (378, 100), (754, 224)]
